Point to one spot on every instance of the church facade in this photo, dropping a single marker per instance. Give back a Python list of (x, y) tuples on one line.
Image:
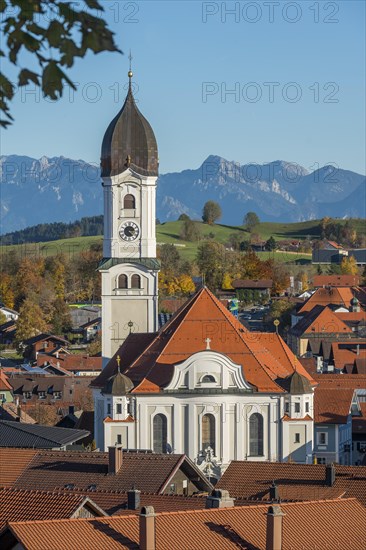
[(202, 385)]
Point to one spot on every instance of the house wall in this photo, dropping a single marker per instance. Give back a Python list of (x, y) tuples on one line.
[(329, 451)]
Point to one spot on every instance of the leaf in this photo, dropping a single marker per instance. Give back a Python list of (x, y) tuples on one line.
[(6, 87), (25, 76), (52, 81), (94, 5), (54, 34)]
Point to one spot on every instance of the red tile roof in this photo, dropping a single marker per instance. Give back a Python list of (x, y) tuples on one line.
[(336, 280), (54, 470), (252, 480), (148, 360), (4, 384), (324, 296), (332, 406), (324, 525), (21, 505), (13, 462)]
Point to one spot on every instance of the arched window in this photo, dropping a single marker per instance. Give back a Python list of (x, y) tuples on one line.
[(129, 202), (208, 378), (256, 435), (122, 281), (135, 281), (208, 432), (160, 433)]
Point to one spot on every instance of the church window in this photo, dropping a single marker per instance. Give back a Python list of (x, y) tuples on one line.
[(256, 435), (160, 433), (135, 281), (119, 408), (307, 406), (208, 378), (109, 409), (287, 407), (122, 281), (208, 432), (297, 438), (297, 407), (129, 202), (119, 439)]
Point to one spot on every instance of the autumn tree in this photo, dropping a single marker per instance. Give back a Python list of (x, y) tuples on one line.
[(6, 291), (281, 310), (250, 221), (211, 212), (30, 322), (226, 282), (51, 34), (60, 321), (3, 318), (349, 266)]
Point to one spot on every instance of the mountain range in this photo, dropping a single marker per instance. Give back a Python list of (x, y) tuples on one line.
[(53, 189)]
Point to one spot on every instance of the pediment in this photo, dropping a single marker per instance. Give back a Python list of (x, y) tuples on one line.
[(208, 370)]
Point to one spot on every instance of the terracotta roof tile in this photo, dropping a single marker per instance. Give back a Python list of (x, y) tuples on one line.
[(252, 480), (324, 296), (150, 361), (4, 384), (55, 470), (336, 280), (13, 462), (306, 525), (332, 406), (21, 505)]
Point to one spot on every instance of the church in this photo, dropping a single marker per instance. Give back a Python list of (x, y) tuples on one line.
[(202, 384)]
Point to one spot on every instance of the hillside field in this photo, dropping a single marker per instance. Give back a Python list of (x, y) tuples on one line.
[(169, 232)]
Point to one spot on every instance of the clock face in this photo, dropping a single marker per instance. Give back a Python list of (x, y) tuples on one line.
[(129, 231)]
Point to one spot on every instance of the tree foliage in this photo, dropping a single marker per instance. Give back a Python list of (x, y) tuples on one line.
[(31, 321), (250, 220), (190, 231), (349, 266), (211, 212), (54, 33)]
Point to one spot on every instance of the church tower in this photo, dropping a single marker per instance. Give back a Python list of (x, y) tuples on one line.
[(129, 165)]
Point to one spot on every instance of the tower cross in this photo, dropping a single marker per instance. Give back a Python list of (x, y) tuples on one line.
[(208, 341)]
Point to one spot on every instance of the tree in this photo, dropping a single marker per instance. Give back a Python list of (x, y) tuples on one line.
[(61, 318), (211, 212), (3, 318), (190, 231), (169, 258), (30, 322), (54, 34), (210, 262), (186, 284), (250, 221), (183, 217), (6, 291), (226, 282), (349, 266), (271, 244)]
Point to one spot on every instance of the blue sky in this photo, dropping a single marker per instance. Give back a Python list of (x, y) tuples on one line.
[(296, 72)]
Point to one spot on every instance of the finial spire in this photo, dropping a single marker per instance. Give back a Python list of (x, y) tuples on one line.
[(118, 363), (130, 73)]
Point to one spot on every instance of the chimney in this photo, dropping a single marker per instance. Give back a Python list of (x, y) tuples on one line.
[(273, 492), (133, 499), (147, 528), (115, 459), (330, 475), (358, 349), (219, 498), (274, 528)]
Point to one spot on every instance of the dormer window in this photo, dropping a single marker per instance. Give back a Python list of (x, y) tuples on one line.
[(42, 395), (208, 379)]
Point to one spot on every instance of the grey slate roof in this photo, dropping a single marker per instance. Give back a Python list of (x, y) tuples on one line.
[(35, 436)]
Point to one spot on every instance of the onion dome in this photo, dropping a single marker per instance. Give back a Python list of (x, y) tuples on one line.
[(129, 142), (118, 384), (299, 384)]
